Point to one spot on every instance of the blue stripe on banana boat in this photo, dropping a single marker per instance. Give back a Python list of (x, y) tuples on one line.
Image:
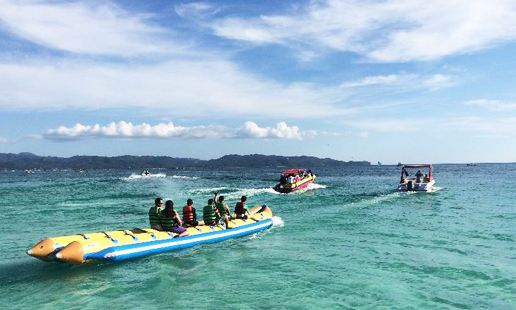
[(119, 253)]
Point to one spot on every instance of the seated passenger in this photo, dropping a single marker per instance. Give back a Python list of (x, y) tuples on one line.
[(223, 210), (189, 214), (283, 179), (155, 213), (418, 176), (210, 214), (290, 179), (170, 220), (240, 209)]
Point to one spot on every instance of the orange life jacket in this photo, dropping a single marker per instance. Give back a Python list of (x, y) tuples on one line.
[(188, 214)]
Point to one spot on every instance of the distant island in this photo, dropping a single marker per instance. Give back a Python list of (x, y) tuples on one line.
[(32, 161)]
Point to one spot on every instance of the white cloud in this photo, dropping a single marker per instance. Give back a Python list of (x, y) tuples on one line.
[(3, 140), (128, 130), (385, 125), (88, 28), (196, 9), (281, 131), (495, 105), (385, 31), (390, 79), (404, 80), (181, 88), (124, 129), (496, 126)]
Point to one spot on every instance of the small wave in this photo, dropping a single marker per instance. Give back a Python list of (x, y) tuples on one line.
[(139, 176), (184, 177)]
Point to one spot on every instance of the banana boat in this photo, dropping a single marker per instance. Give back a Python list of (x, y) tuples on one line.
[(127, 244)]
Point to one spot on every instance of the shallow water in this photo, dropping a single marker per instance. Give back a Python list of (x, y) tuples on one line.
[(352, 242)]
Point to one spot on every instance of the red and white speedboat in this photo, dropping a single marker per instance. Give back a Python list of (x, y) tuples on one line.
[(294, 179), (418, 182)]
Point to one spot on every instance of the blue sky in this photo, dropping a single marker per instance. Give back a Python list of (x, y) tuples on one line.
[(409, 81)]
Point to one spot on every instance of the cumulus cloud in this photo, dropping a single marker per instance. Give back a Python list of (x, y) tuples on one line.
[(129, 130), (88, 28), (384, 31), (494, 105), (281, 131)]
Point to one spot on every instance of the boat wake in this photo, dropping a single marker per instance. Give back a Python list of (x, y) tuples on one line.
[(237, 193), (435, 189), (277, 221), (367, 202), (211, 190), (316, 186), (185, 177), (135, 176)]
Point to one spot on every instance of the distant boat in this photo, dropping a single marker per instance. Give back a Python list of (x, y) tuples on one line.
[(399, 164), (471, 164), (379, 163)]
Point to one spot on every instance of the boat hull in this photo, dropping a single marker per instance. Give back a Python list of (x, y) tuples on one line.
[(417, 187)]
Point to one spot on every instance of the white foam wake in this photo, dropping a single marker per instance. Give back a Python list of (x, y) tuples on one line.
[(316, 186), (184, 177), (135, 176), (435, 189), (277, 221), (237, 193)]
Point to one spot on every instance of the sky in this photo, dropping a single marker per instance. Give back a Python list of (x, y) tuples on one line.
[(391, 81)]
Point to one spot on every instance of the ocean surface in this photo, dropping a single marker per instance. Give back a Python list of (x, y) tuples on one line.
[(351, 241)]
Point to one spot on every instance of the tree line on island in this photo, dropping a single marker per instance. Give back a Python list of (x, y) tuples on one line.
[(32, 161)]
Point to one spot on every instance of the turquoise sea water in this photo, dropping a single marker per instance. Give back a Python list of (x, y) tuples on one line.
[(351, 243)]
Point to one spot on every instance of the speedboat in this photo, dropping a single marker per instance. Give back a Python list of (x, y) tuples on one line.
[(419, 182), (145, 173), (294, 179)]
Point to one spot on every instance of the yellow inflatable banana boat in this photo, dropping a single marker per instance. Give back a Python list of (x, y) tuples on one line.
[(126, 244)]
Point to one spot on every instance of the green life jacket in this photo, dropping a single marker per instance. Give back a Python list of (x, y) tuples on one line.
[(154, 216), (220, 206), (208, 214), (167, 223)]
